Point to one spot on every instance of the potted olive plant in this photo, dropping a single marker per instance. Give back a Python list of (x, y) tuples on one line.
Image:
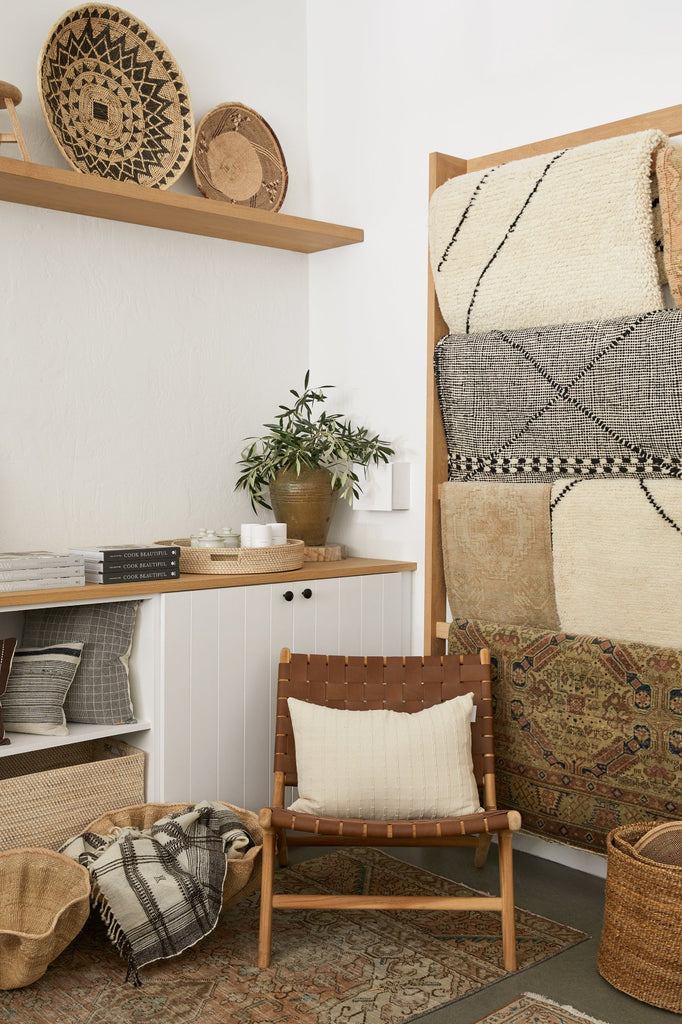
[(306, 461)]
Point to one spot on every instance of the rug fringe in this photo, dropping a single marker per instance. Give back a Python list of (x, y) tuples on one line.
[(563, 1006)]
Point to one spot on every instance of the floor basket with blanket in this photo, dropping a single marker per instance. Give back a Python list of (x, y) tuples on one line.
[(162, 873)]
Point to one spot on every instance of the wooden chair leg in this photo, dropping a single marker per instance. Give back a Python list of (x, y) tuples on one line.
[(282, 849), (268, 872), (481, 854), (507, 893)]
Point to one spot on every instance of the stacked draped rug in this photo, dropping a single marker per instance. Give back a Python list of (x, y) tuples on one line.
[(560, 387), (559, 238), (588, 731), (596, 399), (576, 588)]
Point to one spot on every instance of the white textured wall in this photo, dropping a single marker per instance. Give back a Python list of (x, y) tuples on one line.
[(135, 360), (391, 81)]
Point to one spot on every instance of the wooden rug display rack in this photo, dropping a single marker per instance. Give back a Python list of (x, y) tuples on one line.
[(441, 168)]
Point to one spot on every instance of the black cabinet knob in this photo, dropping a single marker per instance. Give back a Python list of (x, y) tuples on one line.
[(288, 595), (307, 593)]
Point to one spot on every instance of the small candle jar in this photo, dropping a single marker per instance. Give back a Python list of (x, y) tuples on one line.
[(229, 539)]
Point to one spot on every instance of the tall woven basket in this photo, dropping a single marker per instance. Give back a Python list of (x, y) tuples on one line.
[(641, 944)]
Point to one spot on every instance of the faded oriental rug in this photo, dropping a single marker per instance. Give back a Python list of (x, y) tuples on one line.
[(588, 731), (327, 966), (532, 1009)]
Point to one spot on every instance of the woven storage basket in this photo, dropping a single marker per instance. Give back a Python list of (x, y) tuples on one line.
[(641, 944), (278, 558), (51, 795), (44, 903), (242, 877)]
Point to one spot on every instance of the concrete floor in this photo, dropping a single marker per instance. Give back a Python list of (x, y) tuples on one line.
[(552, 890)]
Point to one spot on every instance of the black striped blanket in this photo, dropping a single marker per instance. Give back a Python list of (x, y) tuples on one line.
[(159, 891)]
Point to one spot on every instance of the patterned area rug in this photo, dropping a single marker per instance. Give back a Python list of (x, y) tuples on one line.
[(532, 1009), (327, 966), (588, 731)]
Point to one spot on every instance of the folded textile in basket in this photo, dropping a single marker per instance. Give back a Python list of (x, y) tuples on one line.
[(159, 890), (588, 730), (601, 398), (556, 238)]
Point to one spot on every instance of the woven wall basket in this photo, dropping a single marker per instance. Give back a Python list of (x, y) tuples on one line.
[(242, 877), (238, 158), (278, 558), (641, 944), (44, 903), (114, 98)]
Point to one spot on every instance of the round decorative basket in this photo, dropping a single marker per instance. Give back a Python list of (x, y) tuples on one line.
[(238, 159), (44, 903), (242, 877), (114, 98), (277, 558), (641, 944)]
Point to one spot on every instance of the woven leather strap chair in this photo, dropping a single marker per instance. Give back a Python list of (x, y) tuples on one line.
[(400, 684)]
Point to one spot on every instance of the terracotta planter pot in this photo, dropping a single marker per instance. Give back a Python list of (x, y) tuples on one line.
[(305, 502)]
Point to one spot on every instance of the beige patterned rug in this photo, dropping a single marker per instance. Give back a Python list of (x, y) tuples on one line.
[(494, 533), (378, 967), (532, 1009)]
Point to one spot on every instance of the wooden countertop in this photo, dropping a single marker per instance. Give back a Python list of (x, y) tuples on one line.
[(196, 581)]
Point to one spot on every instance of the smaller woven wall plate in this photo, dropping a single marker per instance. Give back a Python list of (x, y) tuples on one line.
[(662, 843), (238, 158), (114, 98)]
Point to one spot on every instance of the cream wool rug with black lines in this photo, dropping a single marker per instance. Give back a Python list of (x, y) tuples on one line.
[(561, 237)]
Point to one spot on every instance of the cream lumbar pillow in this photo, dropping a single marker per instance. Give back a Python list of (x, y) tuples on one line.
[(384, 765)]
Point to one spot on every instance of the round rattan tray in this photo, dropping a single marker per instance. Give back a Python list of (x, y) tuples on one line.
[(278, 558)]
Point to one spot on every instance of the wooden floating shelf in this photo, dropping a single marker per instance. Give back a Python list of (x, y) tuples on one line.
[(53, 188)]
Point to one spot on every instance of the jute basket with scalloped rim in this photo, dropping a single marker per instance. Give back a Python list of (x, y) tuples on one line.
[(44, 903)]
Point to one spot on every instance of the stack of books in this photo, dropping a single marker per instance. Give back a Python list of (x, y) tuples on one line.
[(129, 563), (40, 570)]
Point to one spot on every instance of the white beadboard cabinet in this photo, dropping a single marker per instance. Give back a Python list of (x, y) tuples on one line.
[(204, 663), (220, 656)]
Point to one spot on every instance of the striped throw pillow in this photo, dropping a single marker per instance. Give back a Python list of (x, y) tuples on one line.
[(37, 686)]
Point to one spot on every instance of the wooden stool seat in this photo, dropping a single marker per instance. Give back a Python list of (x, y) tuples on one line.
[(10, 97)]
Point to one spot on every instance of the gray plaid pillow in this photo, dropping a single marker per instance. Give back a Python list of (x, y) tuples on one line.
[(100, 692), (38, 683)]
